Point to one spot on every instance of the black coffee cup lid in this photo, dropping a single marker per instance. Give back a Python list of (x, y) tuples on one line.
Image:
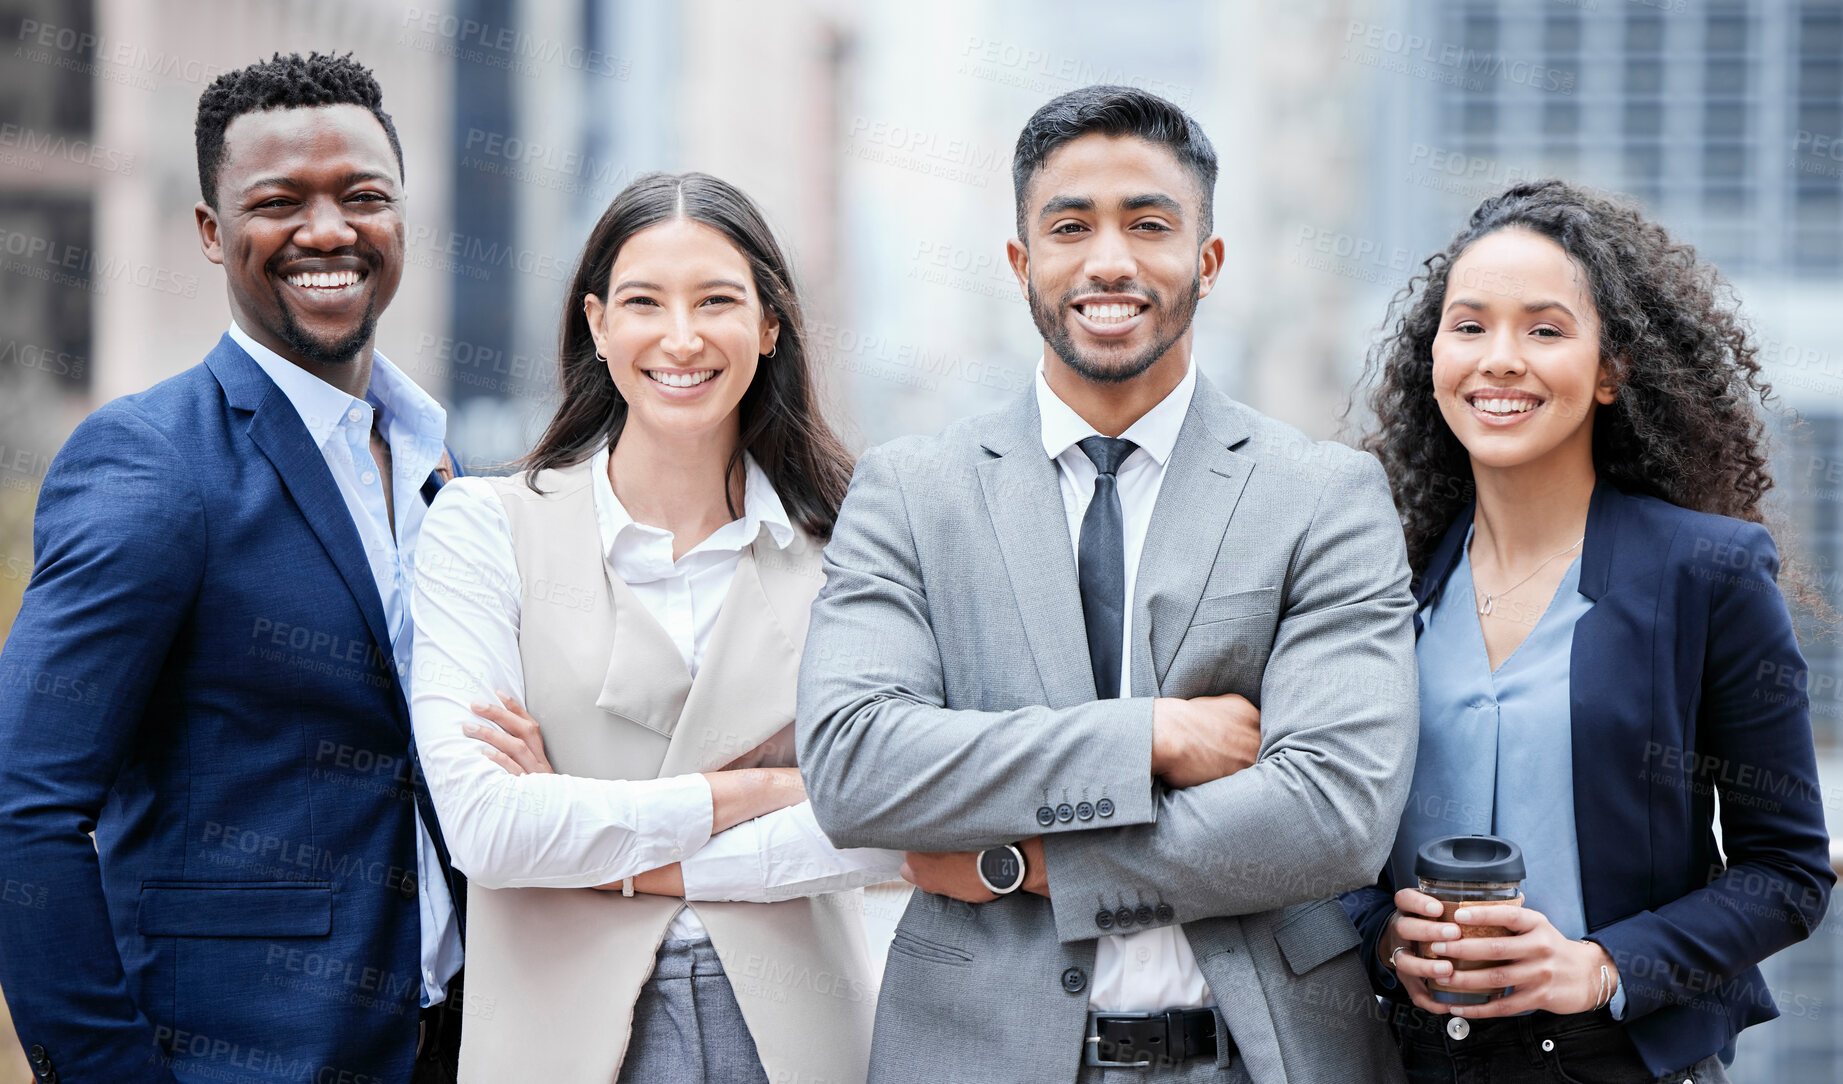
[(1469, 858)]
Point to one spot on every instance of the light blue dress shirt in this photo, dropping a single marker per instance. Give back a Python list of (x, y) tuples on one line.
[(414, 425), (1496, 753)]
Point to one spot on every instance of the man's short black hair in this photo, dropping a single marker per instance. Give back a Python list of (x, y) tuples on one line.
[(1113, 111), (282, 82)]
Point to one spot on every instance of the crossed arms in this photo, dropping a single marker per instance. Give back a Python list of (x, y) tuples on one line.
[(889, 764)]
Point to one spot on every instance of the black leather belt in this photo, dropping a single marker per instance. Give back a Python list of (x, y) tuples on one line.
[(1139, 1039)]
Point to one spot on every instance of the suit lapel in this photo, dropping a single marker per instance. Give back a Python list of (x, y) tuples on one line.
[(1202, 485), (1023, 496), (744, 692), (278, 432)]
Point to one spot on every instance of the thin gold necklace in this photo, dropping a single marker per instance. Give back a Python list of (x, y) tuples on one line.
[(1484, 608)]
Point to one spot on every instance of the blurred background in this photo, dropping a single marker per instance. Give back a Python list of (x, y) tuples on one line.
[(1354, 138)]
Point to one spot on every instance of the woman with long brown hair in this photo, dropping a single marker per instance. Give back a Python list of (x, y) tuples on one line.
[(1567, 410), (605, 691)]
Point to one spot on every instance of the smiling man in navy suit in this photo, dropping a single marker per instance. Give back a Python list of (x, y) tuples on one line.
[(208, 668)]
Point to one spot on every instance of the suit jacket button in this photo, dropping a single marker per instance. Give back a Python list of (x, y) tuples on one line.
[(37, 1054), (1085, 811), (1046, 816), (1104, 807), (1123, 918), (1065, 812), (1104, 919), (1074, 980), (408, 886), (1143, 915), (1164, 912)]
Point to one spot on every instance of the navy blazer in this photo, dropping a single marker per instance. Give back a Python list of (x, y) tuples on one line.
[(1685, 682), (200, 673)]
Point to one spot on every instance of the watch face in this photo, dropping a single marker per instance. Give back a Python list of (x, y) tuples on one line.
[(1001, 868)]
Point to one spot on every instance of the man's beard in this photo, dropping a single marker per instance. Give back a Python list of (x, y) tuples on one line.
[(1168, 327), (344, 349), (338, 352)]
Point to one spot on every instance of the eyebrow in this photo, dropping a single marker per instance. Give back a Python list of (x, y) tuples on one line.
[(1528, 306), (1058, 204), (346, 181), (709, 284), (1156, 200)]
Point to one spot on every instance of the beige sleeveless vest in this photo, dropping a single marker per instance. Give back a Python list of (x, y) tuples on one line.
[(553, 973)]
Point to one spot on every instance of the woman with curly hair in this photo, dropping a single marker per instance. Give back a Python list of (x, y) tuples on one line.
[(1566, 406)]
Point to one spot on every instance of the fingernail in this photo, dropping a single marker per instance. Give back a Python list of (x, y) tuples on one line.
[(476, 708), (1462, 915), (470, 728), (1449, 932), (1438, 948), (1458, 1011)]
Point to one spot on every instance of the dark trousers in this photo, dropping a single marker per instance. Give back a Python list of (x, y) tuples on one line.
[(438, 1038), (1540, 1047)]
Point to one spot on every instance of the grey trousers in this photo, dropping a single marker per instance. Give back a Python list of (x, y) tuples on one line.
[(688, 1028)]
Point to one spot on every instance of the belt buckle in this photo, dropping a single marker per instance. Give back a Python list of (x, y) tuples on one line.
[(1092, 1047)]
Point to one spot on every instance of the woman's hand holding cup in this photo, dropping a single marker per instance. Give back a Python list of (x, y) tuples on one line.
[(1546, 970), (1416, 923)]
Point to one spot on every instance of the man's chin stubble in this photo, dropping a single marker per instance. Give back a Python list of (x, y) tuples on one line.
[(341, 351), (1100, 374)]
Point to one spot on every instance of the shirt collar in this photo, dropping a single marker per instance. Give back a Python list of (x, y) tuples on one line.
[(321, 406), (761, 507), (1155, 432), (324, 408)]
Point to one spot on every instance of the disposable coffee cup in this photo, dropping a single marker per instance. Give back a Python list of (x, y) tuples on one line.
[(1463, 870)]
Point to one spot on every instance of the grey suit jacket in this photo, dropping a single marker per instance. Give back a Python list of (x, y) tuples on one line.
[(946, 703)]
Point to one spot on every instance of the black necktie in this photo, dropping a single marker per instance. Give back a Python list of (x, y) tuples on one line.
[(1103, 564)]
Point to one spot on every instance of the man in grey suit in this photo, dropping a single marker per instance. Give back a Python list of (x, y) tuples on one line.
[(1050, 641)]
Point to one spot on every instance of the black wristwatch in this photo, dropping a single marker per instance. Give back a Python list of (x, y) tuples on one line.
[(1001, 869)]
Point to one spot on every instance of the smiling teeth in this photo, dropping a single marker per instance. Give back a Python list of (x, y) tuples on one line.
[(1504, 406), (324, 280), (681, 380), (1109, 314)]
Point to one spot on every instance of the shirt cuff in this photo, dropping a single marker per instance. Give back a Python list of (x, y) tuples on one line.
[(1617, 1004), (782, 856), (671, 820), (731, 866)]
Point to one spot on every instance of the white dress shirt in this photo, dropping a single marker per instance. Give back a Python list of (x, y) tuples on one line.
[(413, 425), (1150, 969), (561, 831)]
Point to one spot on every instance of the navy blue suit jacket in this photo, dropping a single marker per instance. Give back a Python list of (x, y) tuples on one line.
[(1686, 682), (201, 675)]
